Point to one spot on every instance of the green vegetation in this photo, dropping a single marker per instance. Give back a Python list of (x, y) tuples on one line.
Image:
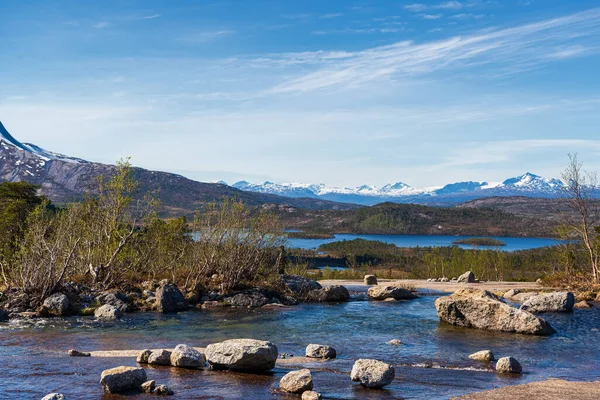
[(490, 242), (309, 235)]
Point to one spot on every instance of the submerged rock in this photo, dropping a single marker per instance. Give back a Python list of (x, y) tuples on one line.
[(297, 382), (160, 357), (185, 356), (170, 299), (54, 396), (242, 354), (474, 308), (483, 355), (372, 373), (108, 312), (395, 342), (370, 280), (467, 277), (76, 353), (320, 351), (163, 390), (310, 395), (381, 293), (56, 305), (550, 302), (583, 305), (148, 386), (121, 379), (508, 365)]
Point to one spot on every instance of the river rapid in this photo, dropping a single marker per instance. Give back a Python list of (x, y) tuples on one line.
[(432, 363)]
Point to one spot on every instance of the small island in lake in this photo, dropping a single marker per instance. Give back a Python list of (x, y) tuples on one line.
[(480, 242)]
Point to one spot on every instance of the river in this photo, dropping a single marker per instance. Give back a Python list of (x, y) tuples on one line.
[(432, 364), (512, 243)]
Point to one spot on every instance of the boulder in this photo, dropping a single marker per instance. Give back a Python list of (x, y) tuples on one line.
[(54, 396), (163, 390), (474, 308), (550, 302), (170, 299), (320, 351), (4, 316), (76, 353), (370, 280), (57, 305), (372, 373), (583, 305), (121, 379), (467, 277), (444, 279), (521, 297), (380, 293), (300, 284), (330, 294), (148, 386), (511, 293), (508, 365), (160, 357), (143, 357), (310, 395), (296, 382), (252, 298), (108, 312), (185, 356), (483, 355), (242, 354), (117, 300), (395, 342)]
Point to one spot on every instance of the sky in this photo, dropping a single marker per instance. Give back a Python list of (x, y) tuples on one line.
[(339, 92)]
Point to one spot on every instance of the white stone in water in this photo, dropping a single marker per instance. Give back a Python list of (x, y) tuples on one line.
[(320, 351), (121, 379), (372, 373), (185, 356), (54, 396), (160, 357), (508, 365), (297, 382), (242, 354), (395, 342), (310, 395), (483, 355)]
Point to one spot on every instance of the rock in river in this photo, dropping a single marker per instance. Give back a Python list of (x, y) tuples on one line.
[(372, 373), (121, 379), (300, 284), (108, 313), (297, 382), (54, 396), (320, 351), (330, 294), (508, 365), (160, 357), (483, 355), (170, 299), (550, 302), (185, 356), (474, 308), (242, 354), (310, 395), (381, 293), (57, 305)]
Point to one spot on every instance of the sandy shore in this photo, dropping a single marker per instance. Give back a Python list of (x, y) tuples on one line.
[(441, 286), (551, 389)]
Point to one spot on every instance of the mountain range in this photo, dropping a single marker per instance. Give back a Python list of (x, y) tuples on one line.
[(64, 179), (528, 185)]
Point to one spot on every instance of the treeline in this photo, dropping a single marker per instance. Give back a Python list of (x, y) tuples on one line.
[(436, 262), (110, 240), (411, 219)]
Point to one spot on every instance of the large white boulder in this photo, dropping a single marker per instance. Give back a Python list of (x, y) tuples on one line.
[(242, 354), (372, 373), (550, 302), (390, 292), (187, 357), (108, 312)]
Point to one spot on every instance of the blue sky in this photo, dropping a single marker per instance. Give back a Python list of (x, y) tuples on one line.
[(337, 92)]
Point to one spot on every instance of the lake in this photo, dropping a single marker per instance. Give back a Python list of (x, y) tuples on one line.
[(512, 243), (432, 364)]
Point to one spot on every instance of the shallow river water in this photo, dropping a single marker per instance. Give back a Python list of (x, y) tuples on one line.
[(432, 364)]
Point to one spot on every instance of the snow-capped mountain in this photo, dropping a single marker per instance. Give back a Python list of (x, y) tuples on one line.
[(529, 185)]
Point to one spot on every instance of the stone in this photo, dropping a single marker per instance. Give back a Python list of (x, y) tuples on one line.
[(381, 293), (163, 390), (395, 342), (522, 297), (475, 308), (242, 354), (511, 293), (108, 312), (142, 358), (372, 373), (550, 302), (148, 386), (57, 305), (370, 280), (76, 353), (444, 279), (4, 316), (330, 294), (170, 299), (483, 355), (160, 357), (121, 379), (117, 300), (185, 356), (508, 365), (310, 395), (300, 284), (252, 298), (54, 396), (583, 305), (320, 351), (467, 277), (296, 382)]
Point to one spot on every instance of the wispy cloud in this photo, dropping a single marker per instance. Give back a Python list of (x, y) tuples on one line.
[(467, 16), (153, 16), (431, 16), (101, 25), (447, 5), (359, 30), (519, 48), (332, 15), (206, 36)]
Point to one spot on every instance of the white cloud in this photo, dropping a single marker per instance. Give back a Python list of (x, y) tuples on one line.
[(206, 36), (101, 25), (431, 16), (153, 16)]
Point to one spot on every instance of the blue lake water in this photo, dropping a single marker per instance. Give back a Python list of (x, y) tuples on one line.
[(512, 243)]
